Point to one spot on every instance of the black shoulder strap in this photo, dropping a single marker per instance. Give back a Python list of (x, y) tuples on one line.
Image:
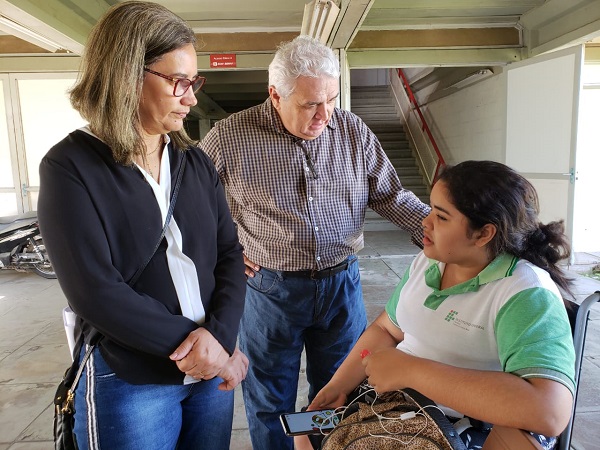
[(77, 366), (439, 417), (135, 277), (95, 336)]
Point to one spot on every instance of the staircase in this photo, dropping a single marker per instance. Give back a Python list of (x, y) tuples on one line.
[(375, 106)]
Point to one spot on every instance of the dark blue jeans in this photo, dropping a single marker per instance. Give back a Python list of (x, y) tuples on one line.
[(113, 414), (284, 314)]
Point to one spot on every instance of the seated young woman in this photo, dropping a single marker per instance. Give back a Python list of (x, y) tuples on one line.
[(477, 323)]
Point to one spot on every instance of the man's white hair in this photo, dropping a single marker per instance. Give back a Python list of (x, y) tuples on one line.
[(301, 57)]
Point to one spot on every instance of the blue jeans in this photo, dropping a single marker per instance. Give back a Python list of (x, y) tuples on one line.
[(113, 414), (283, 315)]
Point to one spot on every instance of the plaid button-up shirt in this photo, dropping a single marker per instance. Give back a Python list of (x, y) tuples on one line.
[(300, 204)]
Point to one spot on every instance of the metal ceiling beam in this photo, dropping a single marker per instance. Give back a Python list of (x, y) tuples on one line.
[(63, 21), (420, 14), (391, 22), (241, 42), (453, 8), (558, 24), (352, 14), (376, 59), (439, 38), (49, 62), (209, 16), (14, 45)]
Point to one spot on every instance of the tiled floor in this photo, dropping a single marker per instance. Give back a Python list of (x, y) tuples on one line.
[(34, 354)]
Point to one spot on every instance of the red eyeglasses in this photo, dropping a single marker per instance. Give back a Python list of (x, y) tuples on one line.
[(181, 84)]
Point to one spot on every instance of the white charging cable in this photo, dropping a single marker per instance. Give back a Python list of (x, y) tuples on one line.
[(404, 416), (390, 434)]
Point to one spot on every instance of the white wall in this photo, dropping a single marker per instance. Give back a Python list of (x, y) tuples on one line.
[(586, 236), (8, 197), (471, 123), (38, 114)]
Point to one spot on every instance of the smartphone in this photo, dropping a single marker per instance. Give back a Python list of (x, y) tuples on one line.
[(309, 422)]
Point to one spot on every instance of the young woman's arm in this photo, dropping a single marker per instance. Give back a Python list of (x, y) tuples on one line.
[(381, 334), (535, 404)]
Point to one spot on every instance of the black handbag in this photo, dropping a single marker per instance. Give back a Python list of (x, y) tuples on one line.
[(64, 399), (64, 406)]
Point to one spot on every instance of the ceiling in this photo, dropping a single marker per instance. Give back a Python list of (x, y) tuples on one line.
[(455, 37)]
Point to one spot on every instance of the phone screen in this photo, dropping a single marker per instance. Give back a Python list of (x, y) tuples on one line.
[(309, 422)]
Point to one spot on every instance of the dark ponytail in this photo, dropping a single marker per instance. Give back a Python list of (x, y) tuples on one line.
[(491, 192), (545, 247)]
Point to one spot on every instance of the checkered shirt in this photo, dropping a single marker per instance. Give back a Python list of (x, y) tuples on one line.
[(300, 204)]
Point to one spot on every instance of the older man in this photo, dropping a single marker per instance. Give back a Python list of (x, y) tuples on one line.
[(299, 174)]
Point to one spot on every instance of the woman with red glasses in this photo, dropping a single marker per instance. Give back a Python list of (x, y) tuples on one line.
[(163, 371)]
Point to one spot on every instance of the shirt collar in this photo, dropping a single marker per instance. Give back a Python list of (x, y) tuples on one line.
[(501, 267)]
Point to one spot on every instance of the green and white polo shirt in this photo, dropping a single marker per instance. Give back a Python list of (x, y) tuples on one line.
[(509, 318)]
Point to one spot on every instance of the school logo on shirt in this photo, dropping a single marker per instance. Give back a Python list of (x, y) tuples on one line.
[(451, 315), (468, 326)]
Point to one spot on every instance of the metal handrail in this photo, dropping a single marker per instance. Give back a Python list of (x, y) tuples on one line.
[(425, 127)]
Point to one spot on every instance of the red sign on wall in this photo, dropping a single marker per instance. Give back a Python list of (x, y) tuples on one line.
[(223, 60)]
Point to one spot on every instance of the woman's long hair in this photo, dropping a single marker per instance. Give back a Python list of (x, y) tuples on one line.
[(491, 192), (129, 37)]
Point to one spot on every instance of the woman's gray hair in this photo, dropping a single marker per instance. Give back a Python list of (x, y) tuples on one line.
[(130, 36), (301, 57)]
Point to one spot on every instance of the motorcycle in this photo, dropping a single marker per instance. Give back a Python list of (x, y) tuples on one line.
[(21, 245)]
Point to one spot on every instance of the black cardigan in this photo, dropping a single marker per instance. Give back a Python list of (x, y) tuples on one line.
[(100, 221)]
